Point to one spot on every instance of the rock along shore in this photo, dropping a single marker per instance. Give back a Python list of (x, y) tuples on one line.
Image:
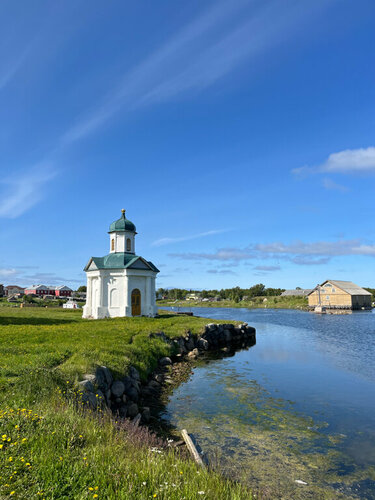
[(128, 397)]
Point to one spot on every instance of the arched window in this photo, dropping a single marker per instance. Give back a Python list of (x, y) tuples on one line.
[(128, 245), (113, 244)]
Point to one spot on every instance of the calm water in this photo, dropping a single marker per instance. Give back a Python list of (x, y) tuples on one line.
[(299, 405)]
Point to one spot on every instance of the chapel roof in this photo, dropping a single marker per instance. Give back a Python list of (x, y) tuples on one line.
[(122, 224), (121, 260)]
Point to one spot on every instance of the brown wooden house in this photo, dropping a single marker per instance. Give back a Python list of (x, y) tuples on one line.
[(333, 294)]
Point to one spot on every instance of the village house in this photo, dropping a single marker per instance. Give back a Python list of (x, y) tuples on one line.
[(334, 294), (42, 291), (13, 289), (38, 290), (63, 291)]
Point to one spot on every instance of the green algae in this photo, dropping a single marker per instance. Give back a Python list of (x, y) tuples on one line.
[(263, 441)]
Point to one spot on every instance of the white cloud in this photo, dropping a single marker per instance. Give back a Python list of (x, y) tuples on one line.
[(333, 186), (21, 191), (349, 161), (168, 241), (6, 273)]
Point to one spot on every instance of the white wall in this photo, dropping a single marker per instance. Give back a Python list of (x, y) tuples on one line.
[(120, 242), (109, 292)]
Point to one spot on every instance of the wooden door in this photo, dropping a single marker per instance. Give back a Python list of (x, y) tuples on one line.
[(136, 302)]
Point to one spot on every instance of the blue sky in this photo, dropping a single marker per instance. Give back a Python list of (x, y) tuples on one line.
[(239, 136)]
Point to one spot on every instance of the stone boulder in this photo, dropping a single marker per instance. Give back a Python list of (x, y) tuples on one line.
[(203, 344), (118, 388), (133, 394), (86, 385), (165, 361), (134, 373), (103, 377), (132, 410)]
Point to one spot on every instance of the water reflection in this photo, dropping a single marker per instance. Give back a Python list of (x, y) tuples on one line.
[(299, 403)]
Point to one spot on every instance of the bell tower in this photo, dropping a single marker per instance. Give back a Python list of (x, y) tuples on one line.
[(122, 235)]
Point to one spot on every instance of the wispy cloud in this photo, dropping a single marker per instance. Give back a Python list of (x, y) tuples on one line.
[(303, 260), (267, 268), (22, 190), (168, 241), (319, 248), (8, 272), (223, 254), (333, 186), (203, 52), (348, 161), (221, 271), (7, 73), (298, 252)]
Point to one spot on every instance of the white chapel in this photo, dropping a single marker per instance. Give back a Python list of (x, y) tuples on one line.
[(121, 283)]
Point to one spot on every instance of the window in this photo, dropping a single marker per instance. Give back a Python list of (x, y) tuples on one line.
[(128, 245), (113, 245), (327, 297)]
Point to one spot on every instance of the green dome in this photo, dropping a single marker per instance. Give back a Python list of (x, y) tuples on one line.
[(122, 224)]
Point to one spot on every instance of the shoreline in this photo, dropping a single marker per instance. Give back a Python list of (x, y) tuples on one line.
[(298, 305), (51, 437)]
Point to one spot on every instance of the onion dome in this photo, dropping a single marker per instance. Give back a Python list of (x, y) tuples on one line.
[(122, 225)]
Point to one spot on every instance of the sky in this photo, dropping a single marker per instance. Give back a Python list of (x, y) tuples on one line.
[(239, 135)]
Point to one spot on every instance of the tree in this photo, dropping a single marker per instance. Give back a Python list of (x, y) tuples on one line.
[(82, 289)]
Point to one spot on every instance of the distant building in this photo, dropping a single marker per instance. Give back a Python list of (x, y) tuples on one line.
[(12, 289), (333, 294), (71, 304), (42, 291), (63, 291), (192, 296), (38, 290), (296, 293)]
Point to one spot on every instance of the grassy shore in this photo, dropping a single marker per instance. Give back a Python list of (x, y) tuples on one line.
[(50, 448), (256, 303)]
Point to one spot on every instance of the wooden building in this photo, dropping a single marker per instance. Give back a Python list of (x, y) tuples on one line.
[(333, 294)]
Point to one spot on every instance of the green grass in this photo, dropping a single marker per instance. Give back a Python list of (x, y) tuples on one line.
[(50, 448), (255, 303)]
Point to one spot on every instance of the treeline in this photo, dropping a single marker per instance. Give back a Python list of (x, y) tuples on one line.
[(236, 294)]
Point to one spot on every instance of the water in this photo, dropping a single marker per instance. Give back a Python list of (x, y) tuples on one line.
[(299, 405)]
